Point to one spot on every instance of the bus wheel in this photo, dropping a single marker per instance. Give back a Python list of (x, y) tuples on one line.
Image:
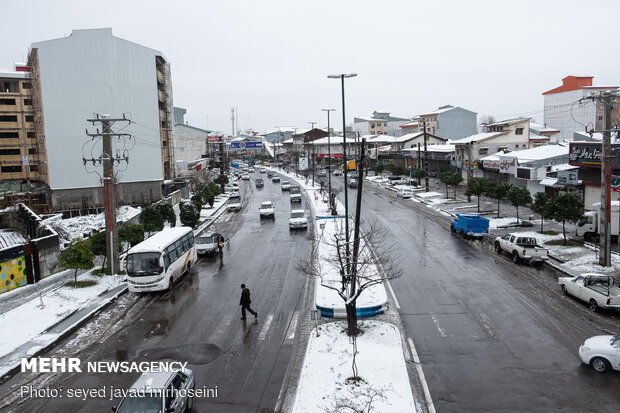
[(189, 266)]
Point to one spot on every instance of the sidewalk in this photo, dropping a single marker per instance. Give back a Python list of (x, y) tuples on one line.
[(34, 328)]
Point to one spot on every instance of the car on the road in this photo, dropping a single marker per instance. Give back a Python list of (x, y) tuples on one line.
[(295, 193), (270, 174), (263, 170), (234, 203), (602, 353), (245, 177), (285, 185), (322, 173), (251, 170), (275, 178), (352, 183), (206, 244), (259, 182), (521, 248), (598, 290), (470, 225), (337, 172), (298, 219), (231, 187), (160, 392), (267, 210), (404, 193)]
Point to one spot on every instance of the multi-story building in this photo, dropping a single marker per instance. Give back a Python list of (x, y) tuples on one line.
[(381, 123), (23, 163), (450, 122), (564, 112), (93, 72)]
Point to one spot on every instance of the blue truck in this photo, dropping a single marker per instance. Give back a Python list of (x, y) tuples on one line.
[(470, 225)]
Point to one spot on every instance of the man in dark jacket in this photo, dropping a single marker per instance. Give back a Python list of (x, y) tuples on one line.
[(245, 302)]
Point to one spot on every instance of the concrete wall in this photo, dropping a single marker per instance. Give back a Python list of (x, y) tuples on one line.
[(89, 72), (129, 193), (189, 143), (456, 123), (561, 112)]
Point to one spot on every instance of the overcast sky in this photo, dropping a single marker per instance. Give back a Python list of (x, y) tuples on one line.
[(270, 58)]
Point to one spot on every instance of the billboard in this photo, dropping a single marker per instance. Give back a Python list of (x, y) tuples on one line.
[(246, 145), (303, 163), (568, 178), (590, 154), (508, 165)]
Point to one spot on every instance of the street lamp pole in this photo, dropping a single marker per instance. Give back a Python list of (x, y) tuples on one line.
[(329, 158), (344, 154)]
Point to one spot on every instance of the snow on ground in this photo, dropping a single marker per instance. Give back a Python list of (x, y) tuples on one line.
[(380, 362), (82, 226), (29, 320)]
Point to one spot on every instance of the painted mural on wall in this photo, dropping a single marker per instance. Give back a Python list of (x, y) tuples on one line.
[(12, 274)]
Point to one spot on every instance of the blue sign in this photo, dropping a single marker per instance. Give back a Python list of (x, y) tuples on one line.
[(246, 145), (412, 173)]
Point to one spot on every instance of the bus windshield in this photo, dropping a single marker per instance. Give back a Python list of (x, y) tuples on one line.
[(143, 264)]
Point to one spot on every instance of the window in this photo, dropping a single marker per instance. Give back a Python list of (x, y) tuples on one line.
[(34, 168), (29, 118), (163, 144), (519, 131), (9, 169), (8, 118), (166, 260), (172, 253), (32, 151), (7, 101), (179, 246), (9, 135), (483, 151), (600, 118), (372, 125), (10, 151), (26, 85), (28, 102), (31, 135)]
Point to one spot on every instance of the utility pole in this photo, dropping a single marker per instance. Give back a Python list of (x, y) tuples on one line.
[(232, 119), (312, 124), (329, 159), (419, 163), (108, 158), (469, 166), (425, 157)]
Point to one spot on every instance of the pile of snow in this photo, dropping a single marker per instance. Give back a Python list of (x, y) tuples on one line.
[(83, 226), (380, 361)]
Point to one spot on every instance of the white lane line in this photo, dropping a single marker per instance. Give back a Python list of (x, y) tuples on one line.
[(436, 321), (418, 366), (393, 295), (292, 326), (263, 331)]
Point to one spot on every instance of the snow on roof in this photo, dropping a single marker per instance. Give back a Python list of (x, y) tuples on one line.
[(161, 240), (333, 140), (283, 129), (535, 154), (434, 148), (537, 127), (597, 136), (438, 111), (408, 137), (382, 138), (563, 167), (480, 137), (410, 124), (13, 74), (509, 121), (11, 238), (357, 118)]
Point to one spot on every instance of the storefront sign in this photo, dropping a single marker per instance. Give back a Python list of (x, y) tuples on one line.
[(303, 163), (490, 164), (590, 154), (567, 178), (246, 145), (508, 165)]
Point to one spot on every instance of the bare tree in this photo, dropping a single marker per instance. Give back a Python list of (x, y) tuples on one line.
[(359, 401)]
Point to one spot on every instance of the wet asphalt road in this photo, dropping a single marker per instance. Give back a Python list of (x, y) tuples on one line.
[(199, 321), (492, 336)]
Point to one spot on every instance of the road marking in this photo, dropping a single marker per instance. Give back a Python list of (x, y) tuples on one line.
[(436, 321), (263, 331), (292, 326), (418, 367), (392, 294)]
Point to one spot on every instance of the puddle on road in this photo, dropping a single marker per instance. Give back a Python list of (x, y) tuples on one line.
[(196, 354)]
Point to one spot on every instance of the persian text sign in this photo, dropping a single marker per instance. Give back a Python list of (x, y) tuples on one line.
[(508, 165), (590, 154), (246, 145)]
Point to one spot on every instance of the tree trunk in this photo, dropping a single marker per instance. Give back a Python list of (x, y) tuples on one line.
[(517, 215), (75, 277), (478, 203), (542, 219), (498, 207), (564, 231), (351, 318), (447, 194)]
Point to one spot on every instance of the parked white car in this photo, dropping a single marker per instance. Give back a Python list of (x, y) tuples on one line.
[(521, 248), (398, 180), (598, 290), (231, 187), (207, 243), (234, 203), (404, 193), (267, 210), (245, 177), (298, 219), (602, 353)]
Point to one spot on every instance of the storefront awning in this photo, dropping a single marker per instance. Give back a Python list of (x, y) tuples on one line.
[(548, 181)]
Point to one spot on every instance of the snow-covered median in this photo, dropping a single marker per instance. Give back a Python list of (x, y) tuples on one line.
[(381, 364)]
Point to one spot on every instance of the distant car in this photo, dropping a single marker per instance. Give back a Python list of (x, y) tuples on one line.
[(270, 174), (298, 219), (251, 170), (285, 185), (295, 193), (398, 180), (404, 193), (259, 182), (267, 210), (231, 187), (160, 392), (337, 172), (322, 173), (352, 183), (263, 170), (207, 243), (245, 177), (602, 353), (234, 203), (275, 178)]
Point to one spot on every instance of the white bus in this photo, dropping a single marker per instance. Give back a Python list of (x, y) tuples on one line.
[(157, 262)]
